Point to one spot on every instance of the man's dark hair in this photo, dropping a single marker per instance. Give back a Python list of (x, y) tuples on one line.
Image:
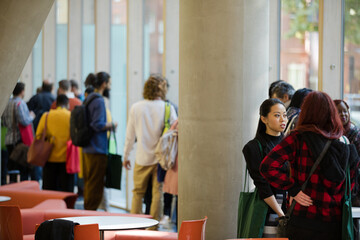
[(64, 85), (89, 89), (283, 88), (62, 100), (74, 84), (272, 85), (20, 86), (46, 87), (90, 80), (101, 77)]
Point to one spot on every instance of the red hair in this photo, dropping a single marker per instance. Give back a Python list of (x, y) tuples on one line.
[(319, 114)]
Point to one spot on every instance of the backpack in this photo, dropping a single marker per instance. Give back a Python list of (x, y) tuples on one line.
[(80, 130), (166, 148)]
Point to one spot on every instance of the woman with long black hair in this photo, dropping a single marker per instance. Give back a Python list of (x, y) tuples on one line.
[(269, 133)]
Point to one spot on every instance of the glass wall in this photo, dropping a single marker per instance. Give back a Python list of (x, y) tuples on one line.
[(88, 38), (299, 56), (153, 37), (61, 39), (352, 58), (118, 68)]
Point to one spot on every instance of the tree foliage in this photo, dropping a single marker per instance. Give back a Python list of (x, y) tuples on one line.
[(304, 16)]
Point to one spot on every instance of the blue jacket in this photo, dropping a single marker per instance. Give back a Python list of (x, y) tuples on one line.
[(97, 118)]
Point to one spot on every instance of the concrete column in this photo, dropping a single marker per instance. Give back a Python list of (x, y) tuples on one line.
[(171, 53), (49, 46), (224, 75), (20, 22), (75, 30), (102, 35)]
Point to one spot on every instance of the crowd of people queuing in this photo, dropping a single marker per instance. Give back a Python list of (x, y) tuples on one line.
[(293, 128), (45, 112)]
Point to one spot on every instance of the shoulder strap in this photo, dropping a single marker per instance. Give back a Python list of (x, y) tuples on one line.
[(316, 164), (260, 147), (44, 131), (167, 115), (90, 99)]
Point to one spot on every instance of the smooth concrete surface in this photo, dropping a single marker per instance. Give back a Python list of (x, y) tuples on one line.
[(49, 47), (20, 24), (224, 71)]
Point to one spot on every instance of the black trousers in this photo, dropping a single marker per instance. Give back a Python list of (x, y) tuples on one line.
[(299, 233), (56, 178)]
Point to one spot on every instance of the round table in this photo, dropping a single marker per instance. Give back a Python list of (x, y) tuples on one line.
[(4, 198), (113, 223)]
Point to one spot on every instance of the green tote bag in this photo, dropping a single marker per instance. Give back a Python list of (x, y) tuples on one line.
[(251, 214), (347, 220)]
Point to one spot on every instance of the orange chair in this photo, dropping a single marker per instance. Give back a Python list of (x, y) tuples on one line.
[(87, 231), (193, 230), (10, 223), (189, 230)]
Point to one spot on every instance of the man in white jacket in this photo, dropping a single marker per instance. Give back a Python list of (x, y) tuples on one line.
[(145, 124)]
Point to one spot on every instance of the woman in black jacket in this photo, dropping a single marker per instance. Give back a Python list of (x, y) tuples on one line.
[(269, 133)]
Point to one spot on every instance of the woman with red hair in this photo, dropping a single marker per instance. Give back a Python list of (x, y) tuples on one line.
[(318, 208)]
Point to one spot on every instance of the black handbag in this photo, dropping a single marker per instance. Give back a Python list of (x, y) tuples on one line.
[(114, 168), (284, 220)]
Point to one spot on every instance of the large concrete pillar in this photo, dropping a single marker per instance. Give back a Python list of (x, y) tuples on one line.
[(224, 72), (20, 24)]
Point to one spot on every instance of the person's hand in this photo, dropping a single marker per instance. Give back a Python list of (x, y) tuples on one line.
[(114, 126), (127, 164), (32, 114), (302, 199)]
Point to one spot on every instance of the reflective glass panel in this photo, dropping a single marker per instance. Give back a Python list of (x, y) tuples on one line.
[(299, 55)]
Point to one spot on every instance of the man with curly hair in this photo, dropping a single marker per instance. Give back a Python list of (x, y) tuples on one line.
[(145, 124)]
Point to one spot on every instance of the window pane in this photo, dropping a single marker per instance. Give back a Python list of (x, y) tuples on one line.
[(61, 39), (88, 39), (299, 43), (352, 58), (118, 85), (153, 37)]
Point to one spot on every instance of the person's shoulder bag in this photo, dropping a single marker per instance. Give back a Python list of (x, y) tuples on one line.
[(251, 210), (40, 150)]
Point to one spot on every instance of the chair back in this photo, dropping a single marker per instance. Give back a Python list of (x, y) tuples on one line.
[(87, 231), (10, 223), (192, 230)]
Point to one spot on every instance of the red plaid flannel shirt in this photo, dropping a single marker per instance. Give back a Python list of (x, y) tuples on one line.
[(326, 195)]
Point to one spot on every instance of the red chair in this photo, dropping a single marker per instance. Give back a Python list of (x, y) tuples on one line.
[(87, 231), (10, 223), (189, 230), (193, 230)]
